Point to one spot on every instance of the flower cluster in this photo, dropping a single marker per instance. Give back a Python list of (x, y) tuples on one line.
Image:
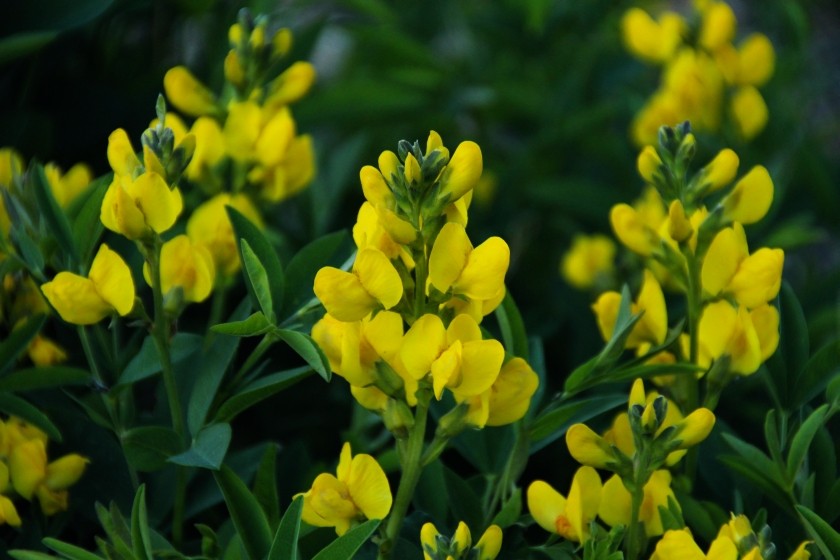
[(704, 74), (459, 547), (25, 472)]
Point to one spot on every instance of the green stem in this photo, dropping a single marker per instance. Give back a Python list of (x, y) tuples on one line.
[(420, 275), (411, 469), (160, 334), (253, 358), (218, 304), (694, 302), (641, 474)]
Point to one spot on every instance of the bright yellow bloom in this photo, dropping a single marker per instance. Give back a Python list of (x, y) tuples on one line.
[(751, 198), (718, 27), (749, 112), (510, 395), (187, 94), (680, 544), (648, 163), (435, 546), (187, 266), (462, 172), (728, 268), (651, 328), (589, 258), (720, 171), (652, 41), (370, 231), (636, 226), (209, 146), (109, 287), (588, 448), (616, 501), (137, 207), (291, 85), (477, 273), (350, 296), (67, 186), (621, 435), (801, 552), (728, 331), (32, 476), (568, 517), (358, 491), (209, 225)]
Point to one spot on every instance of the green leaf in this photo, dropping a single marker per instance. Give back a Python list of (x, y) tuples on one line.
[(771, 436), (208, 448), (29, 555), (832, 391), (260, 390), (284, 546), (269, 289), (146, 362), (793, 333), (265, 485), (513, 328), (16, 406), (29, 252), (257, 278), (87, 227), (802, 441), (827, 539), (18, 340), (147, 448), (756, 467), (307, 349), (35, 378), (214, 362), (68, 550), (21, 44), (140, 541), (254, 325), (300, 274), (511, 510), (349, 543), (53, 214), (822, 366), (246, 513), (553, 423)]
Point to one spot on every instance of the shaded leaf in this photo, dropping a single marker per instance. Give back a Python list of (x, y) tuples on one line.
[(254, 325), (307, 349), (284, 546), (553, 423), (31, 379), (16, 406), (259, 390), (349, 543), (246, 513), (259, 247), (208, 448), (510, 321), (147, 448)]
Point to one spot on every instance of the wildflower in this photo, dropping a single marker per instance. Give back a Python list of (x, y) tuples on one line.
[(650, 40), (438, 547), (186, 266), (588, 448), (187, 94), (510, 395), (745, 338), (680, 544), (652, 327), (359, 490), (108, 288), (615, 506), (720, 171), (568, 517), (66, 187), (589, 258), (137, 207), (31, 475), (749, 112), (45, 352), (751, 198), (462, 172)]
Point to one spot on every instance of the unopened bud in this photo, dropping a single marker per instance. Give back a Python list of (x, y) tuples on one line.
[(679, 226), (398, 418), (648, 163)]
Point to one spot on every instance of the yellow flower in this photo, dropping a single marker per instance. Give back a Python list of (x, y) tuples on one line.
[(588, 448), (568, 517), (651, 328), (728, 268), (589, 258), (381, 199), (8, 512), (209, 146), (680, 544), (32, 476), (751, 198), (137, 207), (436, 546), (187, 94), (44, 352), (187, 266), (801, 552), (636, 226), (350, 296), (359, 490), (652, 41), (720, 171), (726, 331), (648, 163), (209, 225), (718, 26), (462, 172), (291, 85), (109, 287), (67, 186), (510, 395), (749, 112), (616, 502), (370, 231), (476, 273)]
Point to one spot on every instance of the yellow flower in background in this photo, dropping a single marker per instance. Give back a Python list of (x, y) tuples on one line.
[(746, 338), (615, 506), (187, 94), (589, 258), (459, 547), (359, 490), (510, 395), (718, 26), (291, 85), (729, 269), (651, 328), (749, 112), (568, 517), (720, 171), (680, 544), (350, 296), (8, 512), (209, 146), (476, 273), (45, 352), (185, 265), (750, 199), (138, 207), (66, 187), (209, 225), (108, 288), (651, 40), (31, 475)]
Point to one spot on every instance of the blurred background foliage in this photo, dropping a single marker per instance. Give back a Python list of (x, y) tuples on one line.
[(544, 87)]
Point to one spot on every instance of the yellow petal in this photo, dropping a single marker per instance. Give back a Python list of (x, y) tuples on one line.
[(483, 276), (679, 545), (379, 277), (583, 501), (759, 277), (511, 393), (462, 539), (8, 513), (160, 205), (751, 198), (717, 326), (28, 466), (463, 328), (187, 94), (274, 139), (588, 448), (614, 508), (765, 318), (648, 163), (606, 312), (446, 369), (490, 543), (757, 60), (342, 294), (412, 171), (75, 299), (65, 472), (545, 504), (481, 361), (653, 325), (292, 84), (368, 487), (720, 171), (112, 279), (749, 111), (121, 154), (433, 142), (722, 259), (632, 231), (428, 539), (399, 229), (422, 344), (744, 346), (694, 428), (389, 165), (718, 26), (385, 333), (119, 212), (621, 435), (242, 129), (462, 172), (329, 334), (449, 256)]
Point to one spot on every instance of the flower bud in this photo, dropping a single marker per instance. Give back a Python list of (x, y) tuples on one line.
[(679, 226), (462, 172), (751, 198), (720, 171), (187, 94), (648, 163), (588, 448)]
